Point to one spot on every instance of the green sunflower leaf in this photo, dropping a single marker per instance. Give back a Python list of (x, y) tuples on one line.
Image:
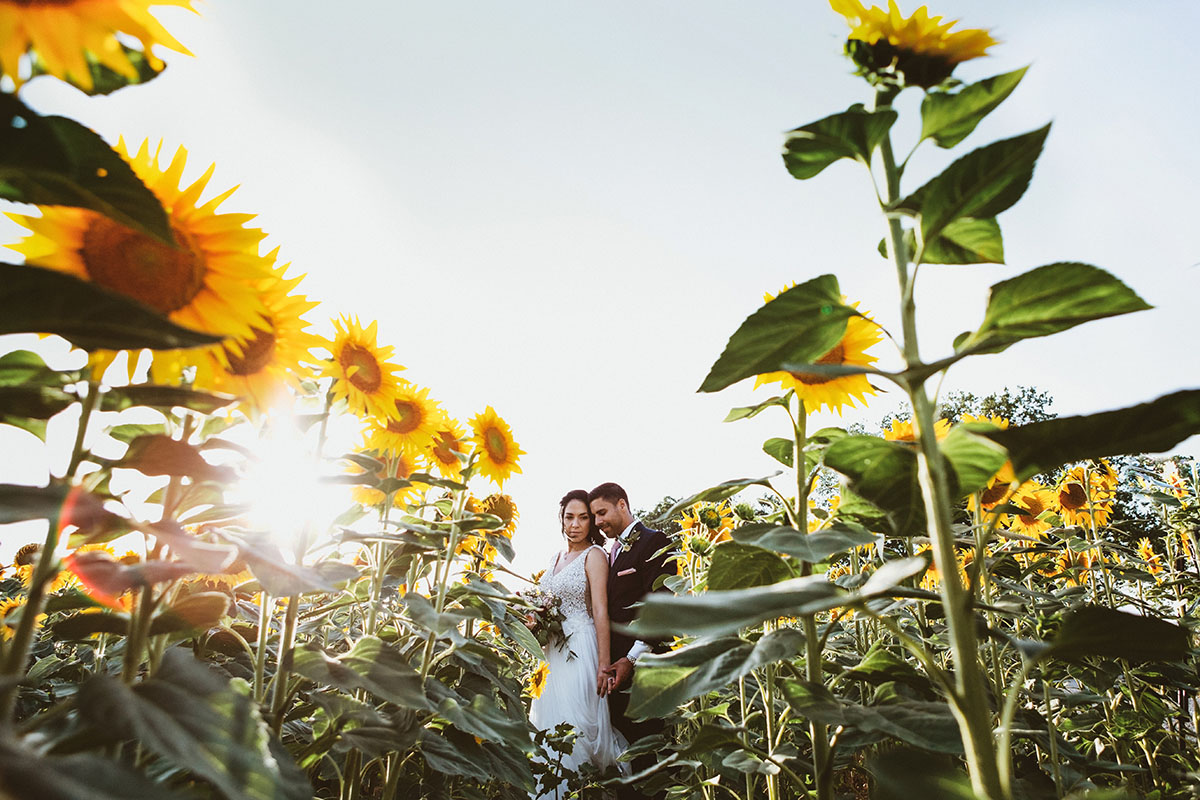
[(853, 134), (964, 241), (717, 613), (1151, 427), (191, 717), (29, 406), (949, 118), (157, 396), (979, 185), (974, 458), (799, 326), (740, 566), (812, 547), (661, 683), (84, 775), (780, 449), (1048, 300), (1108, 633), (37, 300), (885, 473), (715, 494), (55, 161)]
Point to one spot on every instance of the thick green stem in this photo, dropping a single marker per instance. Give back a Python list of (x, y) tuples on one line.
[(266, 603), (818, 731), (969, 703), (287, 640)]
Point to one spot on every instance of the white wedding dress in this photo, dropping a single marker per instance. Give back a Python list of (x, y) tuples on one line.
[(570, 692)]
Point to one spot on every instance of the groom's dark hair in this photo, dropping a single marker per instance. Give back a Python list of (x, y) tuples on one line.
[(611, 492)]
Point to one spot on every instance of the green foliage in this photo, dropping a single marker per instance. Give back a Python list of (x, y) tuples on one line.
[(948, 118), (1045, 301), (36, 300), (979, 185), (854, 134), (798, 326), (58, 162)]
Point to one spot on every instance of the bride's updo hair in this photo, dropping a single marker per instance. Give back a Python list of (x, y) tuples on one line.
[(594, 534)]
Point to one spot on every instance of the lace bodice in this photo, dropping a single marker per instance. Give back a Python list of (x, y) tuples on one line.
[(571, 586)]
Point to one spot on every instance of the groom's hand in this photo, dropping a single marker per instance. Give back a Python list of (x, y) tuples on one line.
[(622, 671)]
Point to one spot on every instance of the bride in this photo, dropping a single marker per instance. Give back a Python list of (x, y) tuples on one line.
[(576, 682)]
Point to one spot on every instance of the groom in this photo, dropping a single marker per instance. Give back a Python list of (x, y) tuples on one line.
[(638, 558)]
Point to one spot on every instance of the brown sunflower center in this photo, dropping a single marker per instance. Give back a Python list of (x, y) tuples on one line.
[(1033, 509), (361, 368), (256, 354), (835, 356), (444, 448), (993, 494), (407, 419), (119, 258), (1072, 497), (497, 445)]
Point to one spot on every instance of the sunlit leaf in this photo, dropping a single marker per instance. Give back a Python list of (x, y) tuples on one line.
[(717, 613), (157, 454), (663, 682), (979, 185), (799, 326), (1048, 300), (1151, 427), (715, 494), (853, 134), (740, 566), (974, 459), (948, 118), (885, 473), (371, 664), (812, 547)]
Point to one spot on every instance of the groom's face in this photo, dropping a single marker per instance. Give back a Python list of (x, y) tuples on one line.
[(611, 518)]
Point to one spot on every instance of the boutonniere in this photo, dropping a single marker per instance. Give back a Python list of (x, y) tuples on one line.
[(628, 543)]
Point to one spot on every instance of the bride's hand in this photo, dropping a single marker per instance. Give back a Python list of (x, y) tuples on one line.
[(603, 680)]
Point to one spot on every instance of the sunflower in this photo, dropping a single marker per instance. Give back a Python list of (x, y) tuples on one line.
[(1034, 500), (1175, 484), (361, 372), (398, 466), (209, 282), (999, 422), (260, 367), (1146, 553), (537, 680), (1075, 568), (7, 605), (932, 578), (502, 506), (65, 33), (449, 442), (498, 451), (901, 430), (824, 391), (921, 49), (999, 487), (1086, 495), (411, 423)]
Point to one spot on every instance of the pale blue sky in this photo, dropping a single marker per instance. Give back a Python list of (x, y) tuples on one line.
[(564, 209)]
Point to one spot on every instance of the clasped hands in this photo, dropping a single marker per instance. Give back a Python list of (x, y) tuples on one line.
[(611, 678)]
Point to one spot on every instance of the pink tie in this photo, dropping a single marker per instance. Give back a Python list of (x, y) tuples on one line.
[(612, 554)]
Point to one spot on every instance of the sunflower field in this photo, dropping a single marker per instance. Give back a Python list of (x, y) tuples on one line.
[(957, 608)]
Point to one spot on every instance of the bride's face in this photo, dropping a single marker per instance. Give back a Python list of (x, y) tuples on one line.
[(577, 521)]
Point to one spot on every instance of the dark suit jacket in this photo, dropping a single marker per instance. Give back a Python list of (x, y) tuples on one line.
[(632, 576)]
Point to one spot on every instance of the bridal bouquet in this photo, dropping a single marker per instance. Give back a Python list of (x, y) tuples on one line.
[(545, 619)]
